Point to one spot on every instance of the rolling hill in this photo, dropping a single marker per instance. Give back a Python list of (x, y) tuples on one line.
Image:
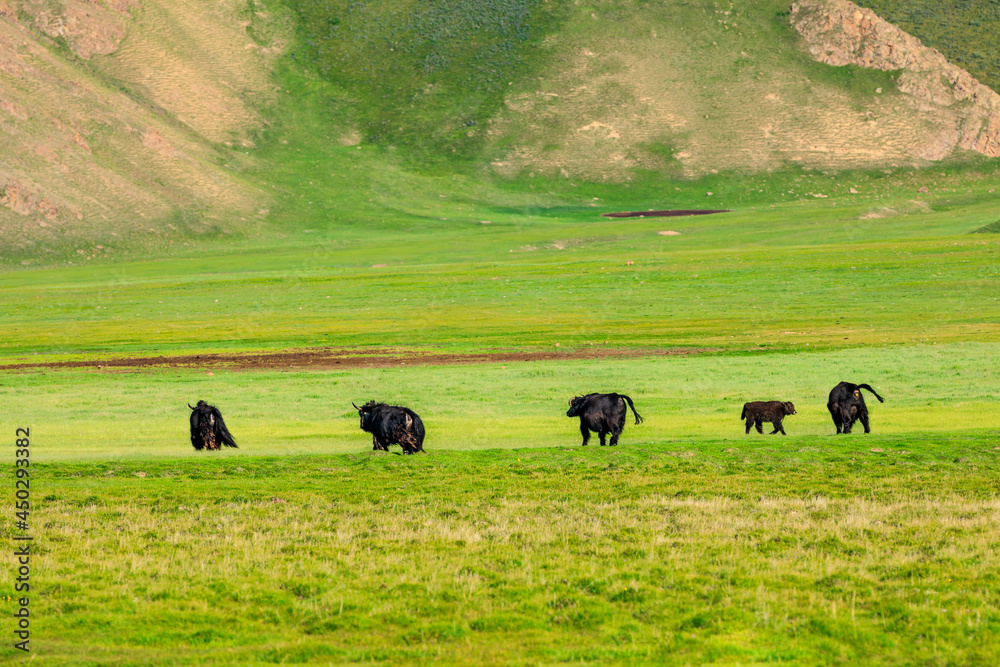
[(126, 123), (133, 124)]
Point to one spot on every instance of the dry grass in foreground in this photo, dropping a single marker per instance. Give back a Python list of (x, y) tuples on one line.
[(626, 555)]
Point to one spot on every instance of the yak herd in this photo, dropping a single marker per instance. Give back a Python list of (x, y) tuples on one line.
[(598, 413)]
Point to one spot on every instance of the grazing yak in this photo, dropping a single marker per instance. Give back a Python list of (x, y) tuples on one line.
[(603, 413), (773, 412), (847, 405), (208, 431), (392, 425)]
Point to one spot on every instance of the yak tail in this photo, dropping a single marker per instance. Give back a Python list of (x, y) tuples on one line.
[(868, 387), (638, 419), (743, 415), (221, 431)]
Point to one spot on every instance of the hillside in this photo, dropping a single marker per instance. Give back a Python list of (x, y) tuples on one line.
[(617, 91), (122, 118), (687, 89), (161, 120), (840, 33), (965, 32)]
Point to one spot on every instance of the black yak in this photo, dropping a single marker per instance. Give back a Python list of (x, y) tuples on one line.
[(847, 405), (603, 413), (758, 412), (208, 431), (392, 425)]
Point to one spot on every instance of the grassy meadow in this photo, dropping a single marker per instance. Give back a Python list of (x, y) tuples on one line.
[(715, 553), (91, 414), (690, 543), (798, 274), (508, 543)]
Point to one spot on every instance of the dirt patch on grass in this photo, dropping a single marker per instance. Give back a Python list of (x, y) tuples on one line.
[(662, 214), (323, 359)]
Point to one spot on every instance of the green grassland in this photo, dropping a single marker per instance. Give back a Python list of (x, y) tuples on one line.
[(727, 554), (91, 414), (796, 274), (690, 543)]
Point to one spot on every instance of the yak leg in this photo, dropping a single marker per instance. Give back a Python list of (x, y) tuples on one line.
[(749, 424), (603, 434), (835, 415), (864, 420), (778, 428), (586, 433), (758, 423), (208, 437), (616, 429), (408, 442), (851, 418)]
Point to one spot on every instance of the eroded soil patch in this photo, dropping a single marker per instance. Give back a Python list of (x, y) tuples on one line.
[(322, 358), (662, 214)]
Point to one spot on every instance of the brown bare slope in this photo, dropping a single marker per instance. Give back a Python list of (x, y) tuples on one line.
[(106, 132), (841, 33), (691, 88)]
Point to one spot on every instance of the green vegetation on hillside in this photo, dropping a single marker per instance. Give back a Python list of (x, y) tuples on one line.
[(423, 73), (992, 228), (373, 121), (965, 32)]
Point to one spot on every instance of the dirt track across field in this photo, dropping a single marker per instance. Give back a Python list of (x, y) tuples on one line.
[(332, 359), (662, 214)]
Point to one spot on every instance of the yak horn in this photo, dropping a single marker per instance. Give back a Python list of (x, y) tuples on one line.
[(355, 407), (189, 405)]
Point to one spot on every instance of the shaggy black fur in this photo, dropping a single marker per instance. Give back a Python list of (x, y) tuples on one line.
[(392, 425), (847, 405), (208, 431), (759, 412), (603, 413)]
